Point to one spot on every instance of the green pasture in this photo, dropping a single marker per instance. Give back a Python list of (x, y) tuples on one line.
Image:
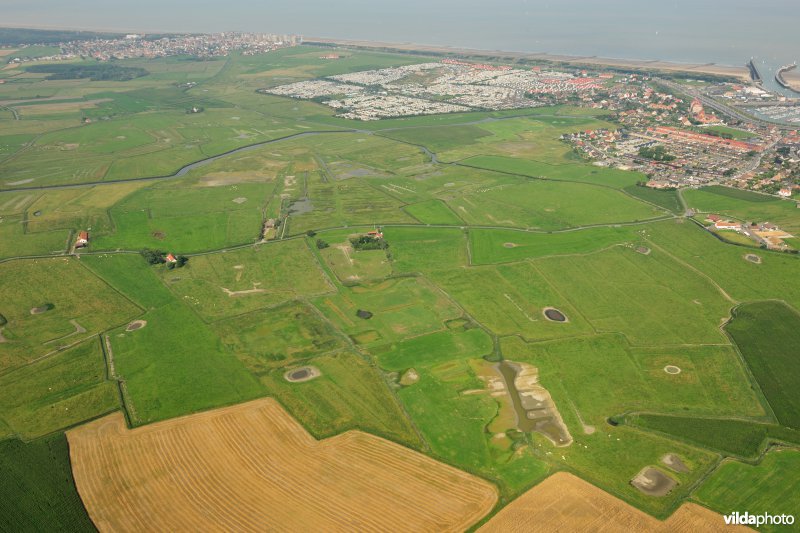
[(768, 487), (768, 337), (350, 265), (434, 348), (571, 171), (490, 246), (64, 389), (548, 205), (669, 200), (651, 299), (226, 284), (401, 308), (334, 204), (350, 394), (454, 425), (726, 264), (15, 241), (425, 249), (602, 376), (187, 219), (433, 212), (733, 437), (176, 365), (510, 300), (745, 205), (79, 305), (274, 337)]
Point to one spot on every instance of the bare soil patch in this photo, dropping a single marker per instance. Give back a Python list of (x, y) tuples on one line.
[(239, 200), (674, 462), (41, 309), (409, 377), (753, 258), (252, 467), (159, 235), (564, 502), (554, 315), (304, 373), (672, 369), (644, 250), (653, 482), (510, 245), (136, 324)]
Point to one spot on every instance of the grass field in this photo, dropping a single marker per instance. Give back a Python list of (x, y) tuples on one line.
[(350, 265), (769, 487), (548, 205), (54, 393), (585, 369), (425, 249), (74, 305), (667, 199), (510, 300), (768, 337), (503, 246), (401, 308), (745, 205), (726, 265), (737, 438), (236, 282), (339, 483), (433, 212), (38, 489), (576, 172), (456, 425), (649, 298), (187, 219), (350, 394), (276, 337)]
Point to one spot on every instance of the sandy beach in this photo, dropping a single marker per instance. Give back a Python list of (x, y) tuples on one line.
[(665, 66)]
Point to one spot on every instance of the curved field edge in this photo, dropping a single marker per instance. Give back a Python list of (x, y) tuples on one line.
[(210, 459)]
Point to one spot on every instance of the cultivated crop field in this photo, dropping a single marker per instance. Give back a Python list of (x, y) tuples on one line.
[(370, 324), (219, 456), (564, 501)]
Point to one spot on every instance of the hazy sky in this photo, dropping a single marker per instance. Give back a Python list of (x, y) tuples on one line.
[(727, 31)]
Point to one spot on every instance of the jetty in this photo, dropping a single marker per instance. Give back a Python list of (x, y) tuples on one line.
[(782, 82)]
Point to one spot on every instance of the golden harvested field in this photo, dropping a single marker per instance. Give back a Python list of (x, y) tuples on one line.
[(564, 502), (252, 467)]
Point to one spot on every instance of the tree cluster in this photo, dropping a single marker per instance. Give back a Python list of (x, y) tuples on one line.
[(365, 242)]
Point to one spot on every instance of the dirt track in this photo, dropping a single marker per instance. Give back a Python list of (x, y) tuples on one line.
[(564, 502), (252, 467)]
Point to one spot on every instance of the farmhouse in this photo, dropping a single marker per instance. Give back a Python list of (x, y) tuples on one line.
[(83, 239), (171, 258), (725, 224), (785, 192)]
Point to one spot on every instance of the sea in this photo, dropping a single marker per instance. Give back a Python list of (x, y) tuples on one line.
[(727, 32)]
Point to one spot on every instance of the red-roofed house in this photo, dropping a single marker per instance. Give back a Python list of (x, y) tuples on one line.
[(83, 239), (725, 224), (786, 193), (171, 258), (713, 218)]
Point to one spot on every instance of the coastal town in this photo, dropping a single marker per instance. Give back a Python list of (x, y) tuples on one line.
[(133, 46)]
